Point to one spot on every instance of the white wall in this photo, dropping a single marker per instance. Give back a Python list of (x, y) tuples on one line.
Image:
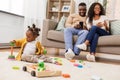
[(11, 27)]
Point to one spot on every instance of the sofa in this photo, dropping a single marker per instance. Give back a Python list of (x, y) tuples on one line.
[(55, 39)]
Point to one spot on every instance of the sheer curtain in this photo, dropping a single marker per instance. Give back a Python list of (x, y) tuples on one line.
[(110, 9), (12, 6), (35, 12), (113, 10), (117, 9)]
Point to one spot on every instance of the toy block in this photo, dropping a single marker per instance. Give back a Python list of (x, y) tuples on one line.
[(66, 75), (11, 56)]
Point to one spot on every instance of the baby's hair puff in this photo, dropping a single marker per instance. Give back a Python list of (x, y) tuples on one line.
[(34, 29)]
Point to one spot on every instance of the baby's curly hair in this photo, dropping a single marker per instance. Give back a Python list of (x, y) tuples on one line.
[(34, 29)]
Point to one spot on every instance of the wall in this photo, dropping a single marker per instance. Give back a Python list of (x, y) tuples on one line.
[(11, 27)]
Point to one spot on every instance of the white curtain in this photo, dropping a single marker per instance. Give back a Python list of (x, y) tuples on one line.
[(110, 12), (117, 9), (35, 12), (113, 10), (12, 6)]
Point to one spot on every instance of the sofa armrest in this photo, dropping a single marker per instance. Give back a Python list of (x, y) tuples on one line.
[(47, 25)]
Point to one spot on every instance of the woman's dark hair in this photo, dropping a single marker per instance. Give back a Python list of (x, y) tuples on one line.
[(34, 29), (91, 13)]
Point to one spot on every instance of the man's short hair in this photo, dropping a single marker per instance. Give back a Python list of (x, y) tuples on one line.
[(82, 4)]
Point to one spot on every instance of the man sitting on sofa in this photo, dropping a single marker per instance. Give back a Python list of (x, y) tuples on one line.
[(74, 25)]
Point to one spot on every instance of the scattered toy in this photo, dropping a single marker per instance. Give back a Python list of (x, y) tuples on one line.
[(41, 70), (72, 60), (80, 61), (15, 68), (66, 75), (41, 66), (78, 65), (58, 61), (11, 56)]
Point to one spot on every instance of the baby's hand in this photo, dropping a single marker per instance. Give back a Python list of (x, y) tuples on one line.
[(13, 41)]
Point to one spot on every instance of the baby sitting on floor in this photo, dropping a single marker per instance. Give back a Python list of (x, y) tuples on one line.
[(31, 49)]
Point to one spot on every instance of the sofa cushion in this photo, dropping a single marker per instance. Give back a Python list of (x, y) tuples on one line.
[(61, 24), (111, 40), (115, 27), (56, 35)]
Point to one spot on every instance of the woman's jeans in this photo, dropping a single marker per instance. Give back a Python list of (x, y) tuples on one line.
[(93, 36), (68, 38)]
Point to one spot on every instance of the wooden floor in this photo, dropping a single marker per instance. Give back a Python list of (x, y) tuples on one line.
[(60, 53), (8, 49)]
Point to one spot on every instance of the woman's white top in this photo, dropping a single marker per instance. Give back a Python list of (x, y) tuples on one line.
[(30, 48), (95, 22)]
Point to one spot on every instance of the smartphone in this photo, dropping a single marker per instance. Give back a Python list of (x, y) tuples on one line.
[(81, 25)]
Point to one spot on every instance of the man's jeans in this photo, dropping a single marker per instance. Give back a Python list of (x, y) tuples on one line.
[(68, 38)]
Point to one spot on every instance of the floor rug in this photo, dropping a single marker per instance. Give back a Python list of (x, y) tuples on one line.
[(87, 71)]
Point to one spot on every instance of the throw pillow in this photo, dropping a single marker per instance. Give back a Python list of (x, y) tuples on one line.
[(115, 27), (61, 24)]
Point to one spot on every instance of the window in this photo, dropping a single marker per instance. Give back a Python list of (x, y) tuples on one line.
[(12, 6)]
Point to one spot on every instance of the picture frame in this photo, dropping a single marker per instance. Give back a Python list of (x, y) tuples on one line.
[(65, 8)]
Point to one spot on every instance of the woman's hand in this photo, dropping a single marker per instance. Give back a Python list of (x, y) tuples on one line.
[(100, 24), (106, 25)]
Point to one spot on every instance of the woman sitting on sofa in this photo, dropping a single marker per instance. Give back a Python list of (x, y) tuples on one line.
[(97, 23)]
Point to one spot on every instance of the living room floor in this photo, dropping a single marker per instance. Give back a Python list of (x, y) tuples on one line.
[(54, 53), (103, 69)]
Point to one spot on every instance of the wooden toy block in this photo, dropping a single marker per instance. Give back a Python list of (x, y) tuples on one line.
[(48, 72), (72, 60), (11, 56), (66, 75)]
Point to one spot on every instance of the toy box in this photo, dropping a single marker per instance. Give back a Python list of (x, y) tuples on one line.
[(41, 70)]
